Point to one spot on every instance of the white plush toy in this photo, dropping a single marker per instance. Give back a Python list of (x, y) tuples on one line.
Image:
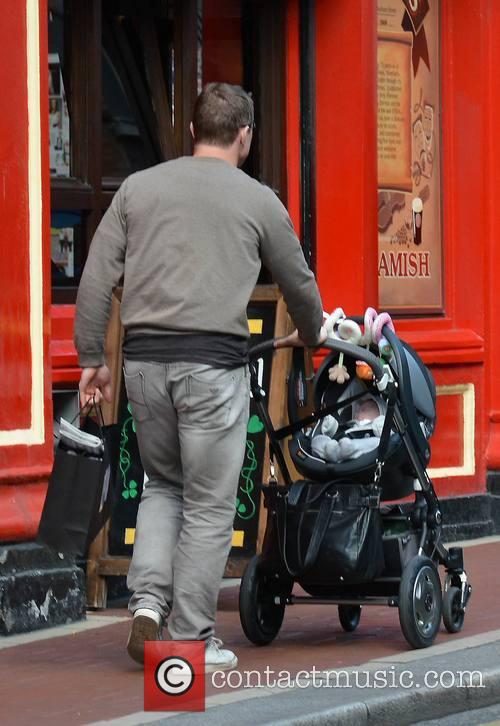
[(368, 416)]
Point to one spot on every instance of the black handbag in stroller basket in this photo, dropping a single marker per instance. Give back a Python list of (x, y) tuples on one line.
[(340, 532)]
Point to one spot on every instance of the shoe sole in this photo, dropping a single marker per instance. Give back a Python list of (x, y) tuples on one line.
[(212, 667), (143, 628)]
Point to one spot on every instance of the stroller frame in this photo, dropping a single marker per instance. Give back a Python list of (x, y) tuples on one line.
[(411, 581)]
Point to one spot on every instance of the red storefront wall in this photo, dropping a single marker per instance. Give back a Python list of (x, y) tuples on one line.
[(461, 347), (25, 391)]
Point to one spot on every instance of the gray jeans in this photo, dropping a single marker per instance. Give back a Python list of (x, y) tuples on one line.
[(191, 422)]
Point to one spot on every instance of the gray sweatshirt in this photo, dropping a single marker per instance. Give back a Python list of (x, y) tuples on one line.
[(189, 236)]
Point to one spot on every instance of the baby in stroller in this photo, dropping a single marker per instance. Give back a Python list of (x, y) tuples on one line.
[(335, 441)]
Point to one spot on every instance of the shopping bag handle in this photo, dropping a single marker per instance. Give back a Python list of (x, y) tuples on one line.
[(93, 405), (99, 415)]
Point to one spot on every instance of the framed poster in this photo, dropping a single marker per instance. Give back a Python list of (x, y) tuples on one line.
[(410, 255)]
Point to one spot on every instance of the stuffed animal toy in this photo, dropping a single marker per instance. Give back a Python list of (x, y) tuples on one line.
[(332, 320), (363, 371), (385, 350), (340, 327)]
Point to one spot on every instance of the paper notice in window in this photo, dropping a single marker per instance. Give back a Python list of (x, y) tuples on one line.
[(394, 111)]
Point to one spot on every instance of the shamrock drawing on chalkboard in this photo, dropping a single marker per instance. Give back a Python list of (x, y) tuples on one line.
[(130, 489), (255, 425), (247, 510)]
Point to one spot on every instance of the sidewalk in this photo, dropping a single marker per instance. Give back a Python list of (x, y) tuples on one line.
[(81, 674)]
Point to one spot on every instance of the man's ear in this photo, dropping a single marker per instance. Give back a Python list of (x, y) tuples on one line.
[(191, 128)]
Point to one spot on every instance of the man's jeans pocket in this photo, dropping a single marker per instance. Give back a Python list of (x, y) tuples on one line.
[(136, 385), (210, 395)]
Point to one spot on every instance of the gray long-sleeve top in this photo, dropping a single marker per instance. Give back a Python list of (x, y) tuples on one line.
[(189, 236)]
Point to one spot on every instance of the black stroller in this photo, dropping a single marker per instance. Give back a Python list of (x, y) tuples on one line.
[(339, 533)]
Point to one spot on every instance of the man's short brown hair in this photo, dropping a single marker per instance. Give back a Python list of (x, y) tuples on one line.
[(220, 111)]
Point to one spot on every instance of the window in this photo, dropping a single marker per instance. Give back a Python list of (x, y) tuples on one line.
[(124, 77)]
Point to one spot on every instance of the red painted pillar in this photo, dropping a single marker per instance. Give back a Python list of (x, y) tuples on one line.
[(491, 20), (346, 153), (25, 391)]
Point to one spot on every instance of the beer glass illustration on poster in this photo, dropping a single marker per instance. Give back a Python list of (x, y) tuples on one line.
[(409, 183)]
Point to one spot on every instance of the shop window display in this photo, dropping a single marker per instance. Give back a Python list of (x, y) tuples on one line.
[(123, 80)]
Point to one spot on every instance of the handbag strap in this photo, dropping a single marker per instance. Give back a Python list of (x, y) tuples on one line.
[(295, 491), (297, 488), (320, 527)]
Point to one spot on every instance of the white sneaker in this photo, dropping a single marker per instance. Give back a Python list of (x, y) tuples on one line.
[(216, 658)]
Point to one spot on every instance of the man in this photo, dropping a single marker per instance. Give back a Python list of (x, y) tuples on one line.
[(188, 236)]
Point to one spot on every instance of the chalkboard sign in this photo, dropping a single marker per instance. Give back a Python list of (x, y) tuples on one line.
[(261, 318), (111, 551), (130, 474), (129, 484)]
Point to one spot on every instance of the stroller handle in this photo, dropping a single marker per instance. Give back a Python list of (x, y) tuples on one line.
[(354, 351), (257, 350)]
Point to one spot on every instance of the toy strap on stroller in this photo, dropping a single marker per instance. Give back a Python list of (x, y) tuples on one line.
[(386, 432)]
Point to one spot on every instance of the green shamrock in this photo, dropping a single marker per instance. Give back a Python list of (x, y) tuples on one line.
[(255, 425), (240, 507)]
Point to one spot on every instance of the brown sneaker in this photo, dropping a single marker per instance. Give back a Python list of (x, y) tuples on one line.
[(143, 628)]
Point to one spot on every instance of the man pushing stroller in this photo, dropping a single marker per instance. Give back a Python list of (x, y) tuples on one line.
[(189, 237)]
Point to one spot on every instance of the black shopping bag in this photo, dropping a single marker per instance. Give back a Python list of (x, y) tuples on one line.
[(80, 493)]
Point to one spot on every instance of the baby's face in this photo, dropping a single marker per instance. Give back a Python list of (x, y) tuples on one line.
[(367, 411)]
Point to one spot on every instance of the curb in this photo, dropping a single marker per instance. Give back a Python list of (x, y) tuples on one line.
[(401, 708)]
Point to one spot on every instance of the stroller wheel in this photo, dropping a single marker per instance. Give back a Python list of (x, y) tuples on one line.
[(349, 616), (260, 616), (453, 615), (420, 602)]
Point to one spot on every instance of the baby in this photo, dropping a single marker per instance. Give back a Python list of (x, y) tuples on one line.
[(368, 418)]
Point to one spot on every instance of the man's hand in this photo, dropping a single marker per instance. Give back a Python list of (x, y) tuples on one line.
[(295, 341), (95, 383)]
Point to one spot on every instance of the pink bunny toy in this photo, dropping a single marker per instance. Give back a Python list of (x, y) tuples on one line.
[(378, 324)]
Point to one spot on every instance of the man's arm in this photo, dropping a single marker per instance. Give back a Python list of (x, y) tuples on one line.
[(282, 254), (102, 273)]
